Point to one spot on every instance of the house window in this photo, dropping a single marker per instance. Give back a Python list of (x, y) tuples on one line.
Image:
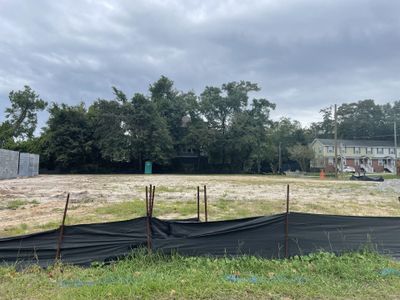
[(357, 150), (357, 162), (320, 149), (330, 149), (379, 150), (380, 162), (343, 149), (368, 150), (391, 150), (330, 160)]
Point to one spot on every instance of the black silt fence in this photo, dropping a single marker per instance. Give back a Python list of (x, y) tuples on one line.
[(260, 236)]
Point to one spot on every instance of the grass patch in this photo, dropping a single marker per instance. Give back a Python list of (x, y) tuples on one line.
[(22, 228), (15, 204), (18, 203), (170, 189), (143, 276), (123, 210)]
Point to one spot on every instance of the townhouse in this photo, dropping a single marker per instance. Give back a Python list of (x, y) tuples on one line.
[(363, 155)]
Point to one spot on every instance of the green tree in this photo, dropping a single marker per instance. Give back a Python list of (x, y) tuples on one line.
[(68, 137), (147, 131), (21, 117), (219, 105), (362, 119), (325, 128), (6, 135), (302, 154), (172, 106), (287, 133), (107, 121)]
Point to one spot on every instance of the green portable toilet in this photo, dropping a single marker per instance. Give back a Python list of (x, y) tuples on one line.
[(148, 167)]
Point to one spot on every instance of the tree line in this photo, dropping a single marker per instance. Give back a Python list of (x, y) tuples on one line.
[(220, 130)]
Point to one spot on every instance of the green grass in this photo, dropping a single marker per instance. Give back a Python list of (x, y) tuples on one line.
[(170, 189), (218, 209), (18, 203), (123, 210), (142, 276)]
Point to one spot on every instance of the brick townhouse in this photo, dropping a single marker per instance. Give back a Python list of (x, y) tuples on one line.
[(364, 155)]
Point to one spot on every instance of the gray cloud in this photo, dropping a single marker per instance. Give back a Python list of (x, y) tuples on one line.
[(304, 54)]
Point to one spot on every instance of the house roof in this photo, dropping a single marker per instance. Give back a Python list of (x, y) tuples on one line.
[(356, 143)]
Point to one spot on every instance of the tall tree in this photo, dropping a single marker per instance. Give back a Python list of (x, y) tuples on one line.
[(21, 117), (260, 113), (107, 121), (172, 106), (287, 133), (302, 154), (325, 128), (219, 105), (69, 139), (147, 131)]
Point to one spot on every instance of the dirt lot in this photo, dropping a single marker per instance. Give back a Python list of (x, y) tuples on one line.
[(37, 203)]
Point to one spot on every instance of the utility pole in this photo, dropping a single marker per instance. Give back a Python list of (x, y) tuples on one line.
[(280, 158), (395, 148), (336, 144)]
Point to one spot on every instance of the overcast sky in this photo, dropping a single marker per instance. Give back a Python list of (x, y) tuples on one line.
[(304, 54)]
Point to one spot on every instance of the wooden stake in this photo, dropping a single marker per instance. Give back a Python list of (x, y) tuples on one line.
[(148, 225), (205, 203), (198, 203), (287, 224), (152, 201), (61, 228)]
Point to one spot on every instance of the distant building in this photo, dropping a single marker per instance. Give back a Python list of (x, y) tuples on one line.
[(363, 155)]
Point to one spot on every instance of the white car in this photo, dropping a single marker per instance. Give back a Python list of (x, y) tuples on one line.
[(348, 169)]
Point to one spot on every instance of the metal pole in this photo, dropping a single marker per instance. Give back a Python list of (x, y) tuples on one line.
[(205, 203), (336, 143), (61, 236), (287, 224), (198, 203)]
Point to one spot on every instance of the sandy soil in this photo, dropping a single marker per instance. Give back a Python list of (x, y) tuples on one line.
[(45, 195)]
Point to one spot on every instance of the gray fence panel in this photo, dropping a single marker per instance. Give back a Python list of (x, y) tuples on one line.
[(14, 164), (23, 165), (8, 164), (35, 164)]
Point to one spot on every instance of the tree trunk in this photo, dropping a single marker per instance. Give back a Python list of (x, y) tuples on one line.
[(140, 163), (198, 162)]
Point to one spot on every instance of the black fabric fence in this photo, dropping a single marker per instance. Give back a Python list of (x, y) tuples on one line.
[(261, 236)]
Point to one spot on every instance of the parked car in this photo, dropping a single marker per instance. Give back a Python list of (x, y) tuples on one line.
[(348, 169)]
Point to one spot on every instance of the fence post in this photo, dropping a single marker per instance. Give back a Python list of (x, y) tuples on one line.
[(152, 201), (205, 203), (61, 236), (198, 204), (287, 224), (148, 228)]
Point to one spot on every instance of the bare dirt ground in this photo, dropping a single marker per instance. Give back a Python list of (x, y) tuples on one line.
[(40, 200)]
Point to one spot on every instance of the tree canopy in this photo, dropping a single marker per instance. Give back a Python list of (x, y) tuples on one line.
[(21, 116), (223, 129)]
